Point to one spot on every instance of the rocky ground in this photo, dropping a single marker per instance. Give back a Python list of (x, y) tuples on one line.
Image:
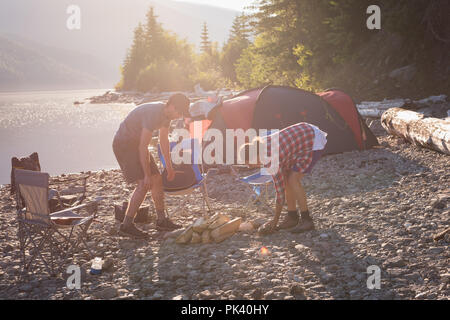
[(379, 207)]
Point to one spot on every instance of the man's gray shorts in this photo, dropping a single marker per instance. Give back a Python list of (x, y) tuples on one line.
[(127, 155)]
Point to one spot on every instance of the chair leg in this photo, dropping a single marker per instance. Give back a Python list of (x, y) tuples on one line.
[(65, 244), (266, 198), (82, 235), (38, 251), (206, 197), (22, 242), (72, 245), (204, 201)]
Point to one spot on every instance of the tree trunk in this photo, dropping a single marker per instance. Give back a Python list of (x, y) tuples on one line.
[(431, 133)]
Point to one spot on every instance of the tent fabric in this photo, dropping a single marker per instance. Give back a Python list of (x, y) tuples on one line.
[(277, 107), (238, 111), (344, 105), (197, 129), (280, 107), (369, 140)]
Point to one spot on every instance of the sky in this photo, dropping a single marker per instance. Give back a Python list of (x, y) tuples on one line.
[(230, 4)]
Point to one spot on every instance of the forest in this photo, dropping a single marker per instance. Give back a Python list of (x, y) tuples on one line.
[(310, 44)]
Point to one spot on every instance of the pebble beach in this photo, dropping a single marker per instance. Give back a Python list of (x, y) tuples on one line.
[(380, 207)]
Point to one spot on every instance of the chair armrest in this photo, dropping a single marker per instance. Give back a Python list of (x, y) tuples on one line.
[(61, 181), (90, 206), (73, 190), (52, 193)]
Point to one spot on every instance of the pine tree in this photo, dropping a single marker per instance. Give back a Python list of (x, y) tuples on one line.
[(237, 42), (153, 37), (240, 29), (135, 59), (205, 45)]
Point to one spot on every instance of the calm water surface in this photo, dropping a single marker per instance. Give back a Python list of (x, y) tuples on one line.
[(68, 138)]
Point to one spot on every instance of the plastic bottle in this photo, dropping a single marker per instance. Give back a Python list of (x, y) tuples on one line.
[(96, 267)]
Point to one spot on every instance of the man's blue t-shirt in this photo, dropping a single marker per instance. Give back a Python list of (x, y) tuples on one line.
[(149, 115)]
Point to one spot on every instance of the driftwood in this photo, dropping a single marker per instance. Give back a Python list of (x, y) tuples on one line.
[(431, 133), (441, 235), (374, 109)]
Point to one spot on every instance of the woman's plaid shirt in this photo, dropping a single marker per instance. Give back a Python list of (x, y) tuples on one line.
[(295, 149)]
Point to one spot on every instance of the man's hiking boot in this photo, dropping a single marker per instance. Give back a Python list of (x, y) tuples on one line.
[(131, 231), (303, 226), (166, 225), (141, 216), (288, 222)]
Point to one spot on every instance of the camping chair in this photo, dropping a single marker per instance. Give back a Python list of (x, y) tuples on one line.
[(43, 234), (192, 146), (258, 184), (60, 198)]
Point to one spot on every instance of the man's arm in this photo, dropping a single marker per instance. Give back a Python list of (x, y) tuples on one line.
[(144, 141), (165, 148)]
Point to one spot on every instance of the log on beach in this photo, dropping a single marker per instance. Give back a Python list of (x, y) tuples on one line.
[(431, 133), (375, 109)]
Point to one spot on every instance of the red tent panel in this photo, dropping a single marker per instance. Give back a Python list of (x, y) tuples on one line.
[(238, 111), (344, 105), (197, 129)]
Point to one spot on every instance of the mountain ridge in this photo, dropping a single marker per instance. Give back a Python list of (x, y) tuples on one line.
[(105, 35)]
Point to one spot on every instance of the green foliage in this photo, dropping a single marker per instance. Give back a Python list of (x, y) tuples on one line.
[(312, 44), (304, 43), (134, 61), (162, 75), (160, 61), (236, 44)]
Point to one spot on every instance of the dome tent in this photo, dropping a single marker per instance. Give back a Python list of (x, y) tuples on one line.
[(277, 107)]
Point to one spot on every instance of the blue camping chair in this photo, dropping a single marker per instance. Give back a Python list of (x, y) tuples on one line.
[(258, 183), (192, 146)]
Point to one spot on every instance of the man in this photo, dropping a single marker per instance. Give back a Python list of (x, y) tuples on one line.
[(130, 147), (300, 146)]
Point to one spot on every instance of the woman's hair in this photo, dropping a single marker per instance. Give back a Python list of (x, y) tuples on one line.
[(246, 154)]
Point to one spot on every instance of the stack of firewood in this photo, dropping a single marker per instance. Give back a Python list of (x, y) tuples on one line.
[(208, 230)]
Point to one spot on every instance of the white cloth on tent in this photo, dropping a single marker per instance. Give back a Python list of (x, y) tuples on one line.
[(320, 138)]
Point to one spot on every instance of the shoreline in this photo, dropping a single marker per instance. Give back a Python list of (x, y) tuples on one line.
[(112, 96), (433, 106)]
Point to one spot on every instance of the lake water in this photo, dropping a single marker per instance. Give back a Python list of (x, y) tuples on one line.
[(68, 138)]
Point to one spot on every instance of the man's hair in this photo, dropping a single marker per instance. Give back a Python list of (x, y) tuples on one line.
[(181, 103)]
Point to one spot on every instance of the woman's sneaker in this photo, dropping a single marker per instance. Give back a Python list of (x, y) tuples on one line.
[(166, 225), (131, 231)]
